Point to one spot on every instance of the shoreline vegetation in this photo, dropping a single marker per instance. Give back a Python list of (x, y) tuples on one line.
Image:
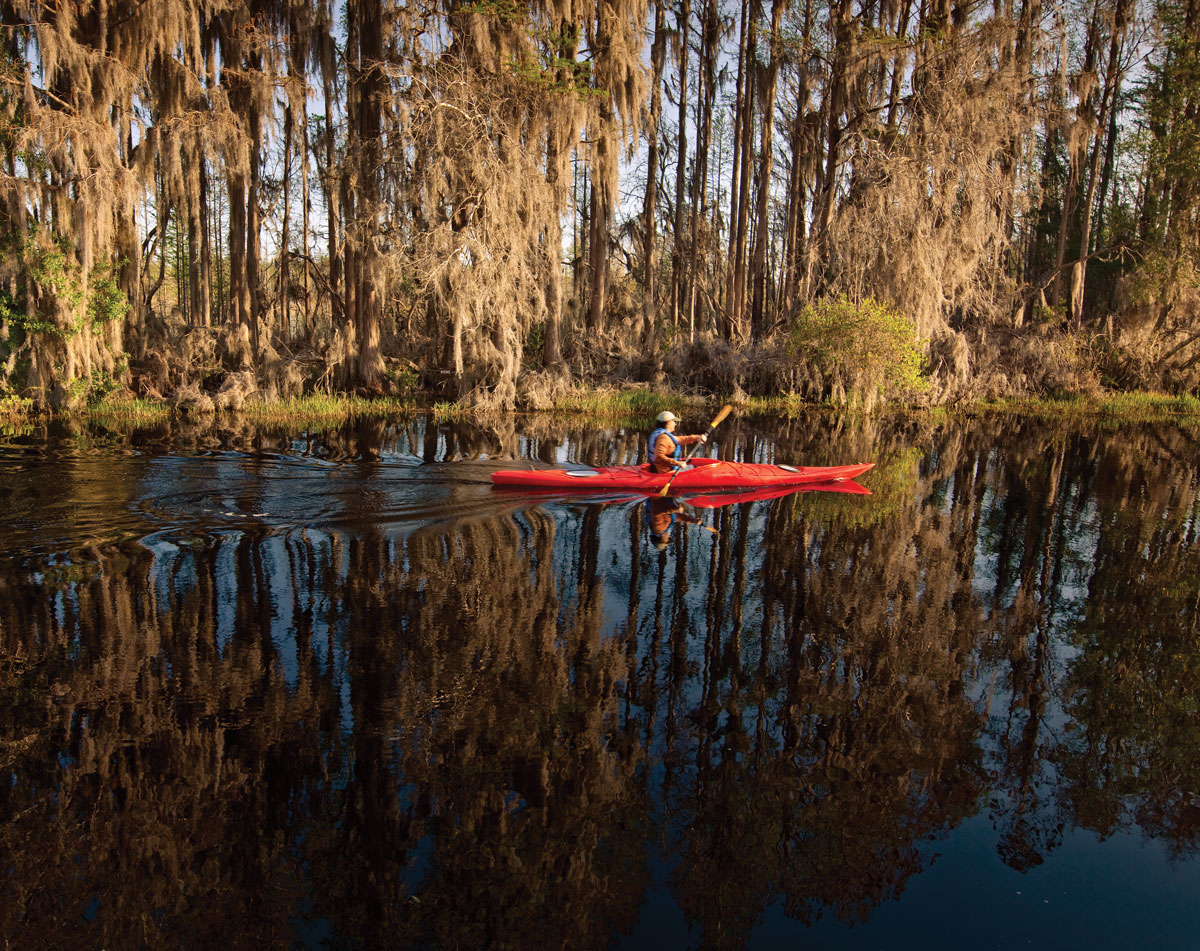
[(634, 405), (495, 207)]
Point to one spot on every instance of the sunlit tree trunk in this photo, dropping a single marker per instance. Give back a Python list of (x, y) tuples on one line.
[(795, 230), (367, 101), (253, 224), (598, 255), (650, 199), (239, 294), (735, 328), (841, 15), (679, 264), (758, 273), (1107, 95), (555, 174), (698, 213)]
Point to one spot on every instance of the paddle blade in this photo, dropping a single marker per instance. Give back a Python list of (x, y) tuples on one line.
[(719, 418)]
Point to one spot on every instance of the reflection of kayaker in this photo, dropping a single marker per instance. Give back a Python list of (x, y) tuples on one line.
[(661, 515)]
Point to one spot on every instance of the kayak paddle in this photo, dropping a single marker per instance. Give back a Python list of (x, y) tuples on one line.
[(725, 411)]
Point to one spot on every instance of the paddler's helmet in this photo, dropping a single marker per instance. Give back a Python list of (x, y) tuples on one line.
[(666, 416)]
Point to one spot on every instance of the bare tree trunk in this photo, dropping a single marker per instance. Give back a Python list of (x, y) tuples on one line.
[(598, 256), (253, 237), (284, 322), (239, 296), (580, 222), (129, 250), (765, 156), (650, 199), (743, 145), (1023, 90), (333, 191), (194, 217), (1107, 102), (709, 52), (1067, 209), (898, 63), (206, 275), (368, 103), (551, 339), (819, 247), (678, 261), (795, 229)]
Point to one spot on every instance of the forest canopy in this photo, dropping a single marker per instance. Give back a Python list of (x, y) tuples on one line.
[(222, 200)]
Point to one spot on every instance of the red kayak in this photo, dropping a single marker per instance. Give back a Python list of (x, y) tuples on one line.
[(703, 475)]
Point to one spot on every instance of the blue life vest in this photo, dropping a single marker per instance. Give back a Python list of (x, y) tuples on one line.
[(677, 454)]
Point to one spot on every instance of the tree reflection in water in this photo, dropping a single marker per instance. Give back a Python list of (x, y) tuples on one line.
[(489, 730)]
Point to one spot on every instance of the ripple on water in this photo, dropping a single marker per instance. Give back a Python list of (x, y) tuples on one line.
[(67, 501)]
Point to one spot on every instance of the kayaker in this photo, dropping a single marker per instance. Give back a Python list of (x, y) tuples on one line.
[(666, 449)]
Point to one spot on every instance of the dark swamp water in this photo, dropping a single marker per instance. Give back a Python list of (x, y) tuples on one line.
[(263, 689)]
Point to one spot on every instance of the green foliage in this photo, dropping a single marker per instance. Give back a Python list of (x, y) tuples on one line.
[(99, 386), (1160, 278), (404, 378), (863, 346), (1170, 95), (557, 74), (14, 407), (507, 10), (534, 342), (12, 309), (48, 262), (106, 301)]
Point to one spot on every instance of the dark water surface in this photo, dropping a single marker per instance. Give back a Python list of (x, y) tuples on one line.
[(263, 689)]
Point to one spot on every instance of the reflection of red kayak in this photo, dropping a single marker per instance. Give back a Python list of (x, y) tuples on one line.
[(705, 474), (772, 492)]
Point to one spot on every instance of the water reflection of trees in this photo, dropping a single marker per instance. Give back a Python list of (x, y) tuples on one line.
[(483, 733)]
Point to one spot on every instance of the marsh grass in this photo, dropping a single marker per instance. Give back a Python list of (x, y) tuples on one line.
[(320, 408), (127, 412), (1132, 407), (1152, 405), (443, 411), (608, 405), (635, 406), (626, 404), (789, 405)]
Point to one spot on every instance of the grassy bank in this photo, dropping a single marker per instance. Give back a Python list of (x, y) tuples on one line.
[(634, 405), (1134, 407), (321, 409)]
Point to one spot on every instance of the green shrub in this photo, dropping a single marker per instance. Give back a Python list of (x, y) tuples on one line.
[(106, 300), (861, 349), (14, 407)]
